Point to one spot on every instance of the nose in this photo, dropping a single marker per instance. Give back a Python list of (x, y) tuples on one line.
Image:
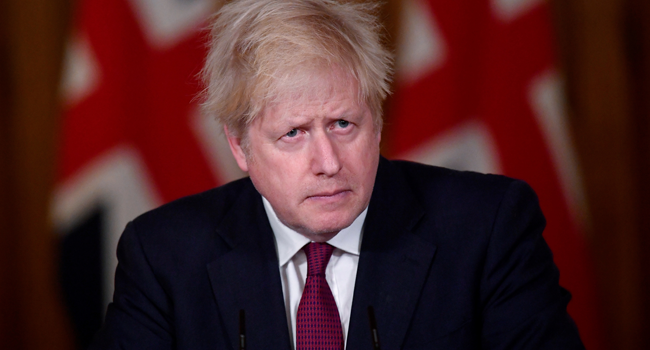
[(325, 156)]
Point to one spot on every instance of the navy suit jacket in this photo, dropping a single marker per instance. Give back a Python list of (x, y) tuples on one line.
[(449, 260)]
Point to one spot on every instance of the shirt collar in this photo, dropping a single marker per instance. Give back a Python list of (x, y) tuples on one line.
[(289, 242)]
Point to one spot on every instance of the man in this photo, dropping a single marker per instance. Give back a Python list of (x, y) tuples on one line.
[(327, 245)]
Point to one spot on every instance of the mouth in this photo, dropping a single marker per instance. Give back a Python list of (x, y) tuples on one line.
[(327, 196)]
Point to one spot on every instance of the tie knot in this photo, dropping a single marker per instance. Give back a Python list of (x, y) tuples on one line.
[(318, 255)]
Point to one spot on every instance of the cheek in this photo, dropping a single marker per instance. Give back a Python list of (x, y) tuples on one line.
[(368, 150), (273, 178), (370, 163)]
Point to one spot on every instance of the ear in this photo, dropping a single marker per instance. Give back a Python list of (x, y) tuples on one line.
[(236, 149)]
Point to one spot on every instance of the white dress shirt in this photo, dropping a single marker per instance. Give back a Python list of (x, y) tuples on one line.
[(340, 274)]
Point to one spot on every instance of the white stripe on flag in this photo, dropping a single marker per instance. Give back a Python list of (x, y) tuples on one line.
[(166, 22), (420, 45), (468, 146), (119, 182), (508, 10), (546, 96)]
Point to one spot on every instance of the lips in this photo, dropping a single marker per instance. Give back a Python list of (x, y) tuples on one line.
[(329, 195)]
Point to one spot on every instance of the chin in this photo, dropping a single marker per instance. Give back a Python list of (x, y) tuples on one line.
[(330, 226), (321, 237)]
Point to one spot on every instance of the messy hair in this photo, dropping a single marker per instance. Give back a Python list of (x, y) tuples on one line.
[(260, 49)]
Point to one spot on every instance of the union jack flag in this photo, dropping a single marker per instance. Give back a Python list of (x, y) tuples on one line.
[(476, 88)]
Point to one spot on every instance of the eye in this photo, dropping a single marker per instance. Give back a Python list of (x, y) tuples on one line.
[(343, 123), (292, 133)]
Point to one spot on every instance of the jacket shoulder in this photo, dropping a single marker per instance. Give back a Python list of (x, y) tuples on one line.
[(430, 182), (186, 229), (202, 209), (459, 201)]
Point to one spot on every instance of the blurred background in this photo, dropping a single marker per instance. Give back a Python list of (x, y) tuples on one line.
[(99, 122)]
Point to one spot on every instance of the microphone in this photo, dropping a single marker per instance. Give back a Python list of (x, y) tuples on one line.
[(242, 330), (373, 328)]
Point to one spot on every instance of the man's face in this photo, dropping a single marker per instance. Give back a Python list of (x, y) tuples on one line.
[(314, 156)]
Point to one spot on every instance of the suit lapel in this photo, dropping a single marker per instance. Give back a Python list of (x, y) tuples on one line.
[(247, 278), (393, 264)]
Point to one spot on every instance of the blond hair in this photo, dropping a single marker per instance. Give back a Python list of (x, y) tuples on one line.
[(261, 48)]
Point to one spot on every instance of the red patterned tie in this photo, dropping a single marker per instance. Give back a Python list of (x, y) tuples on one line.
[(318, 325)]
